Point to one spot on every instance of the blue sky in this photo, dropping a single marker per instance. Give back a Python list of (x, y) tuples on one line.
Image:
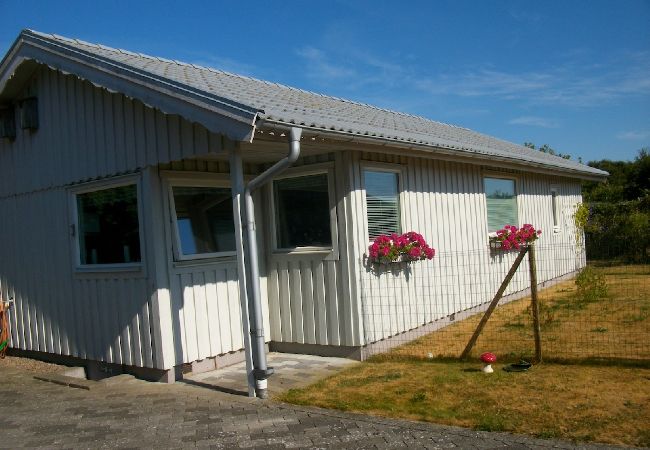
[(571, 74)]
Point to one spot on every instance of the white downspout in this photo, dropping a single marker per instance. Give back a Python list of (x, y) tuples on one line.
[(261, 371)]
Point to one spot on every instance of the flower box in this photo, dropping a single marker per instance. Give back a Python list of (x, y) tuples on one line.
[(394, 249), (512, 237)]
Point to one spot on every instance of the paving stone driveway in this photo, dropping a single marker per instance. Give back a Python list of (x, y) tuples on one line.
[(131, 413)]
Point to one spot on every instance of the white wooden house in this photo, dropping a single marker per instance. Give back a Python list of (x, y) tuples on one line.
[(120, 245)]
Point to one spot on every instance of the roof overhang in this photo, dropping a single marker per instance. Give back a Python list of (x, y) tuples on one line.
[(219, 115), (451, 153)]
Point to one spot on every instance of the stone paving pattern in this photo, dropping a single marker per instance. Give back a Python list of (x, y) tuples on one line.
[(128, 413), (291, 371)]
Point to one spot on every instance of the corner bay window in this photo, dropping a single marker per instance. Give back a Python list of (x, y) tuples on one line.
[(204, 220), (108, 226), (382, 202), (501, 202), (302, 210)]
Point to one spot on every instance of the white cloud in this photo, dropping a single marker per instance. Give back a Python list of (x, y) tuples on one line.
[(485, 82), (568, 84), (534, 122), (637, 135), (572, 83), (319, 65)]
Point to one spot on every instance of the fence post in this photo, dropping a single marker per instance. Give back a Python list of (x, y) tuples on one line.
[(494, 302), (534, 303)]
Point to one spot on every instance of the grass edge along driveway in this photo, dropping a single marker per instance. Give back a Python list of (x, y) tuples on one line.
[(604, 404)]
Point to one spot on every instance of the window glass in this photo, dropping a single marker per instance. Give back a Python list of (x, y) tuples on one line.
[(501, 203), (554, 206), (108, 226), (204, 219), (302, 212), (382, 202)]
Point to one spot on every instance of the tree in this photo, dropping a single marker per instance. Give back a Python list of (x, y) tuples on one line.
[(628, 180), (547, 149), (619, 222)]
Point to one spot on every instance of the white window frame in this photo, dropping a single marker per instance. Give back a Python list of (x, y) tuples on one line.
[(296, 172), (95, 186), (555, 208), (390, 168), (504, 176), (192, 179)]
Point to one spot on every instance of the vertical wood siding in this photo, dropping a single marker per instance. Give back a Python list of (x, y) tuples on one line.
[(206, 310), (445, 202), (309, 294), (105, 318), (314, 300), (88, 133)]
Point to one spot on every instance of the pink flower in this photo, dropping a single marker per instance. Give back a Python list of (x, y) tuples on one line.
[(512, 237), (387, 248)]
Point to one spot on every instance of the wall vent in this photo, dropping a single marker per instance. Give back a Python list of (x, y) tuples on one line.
[(29, 114), (8, 123)]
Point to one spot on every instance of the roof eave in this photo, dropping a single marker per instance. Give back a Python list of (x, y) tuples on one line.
[(238, 122), (455, 154)]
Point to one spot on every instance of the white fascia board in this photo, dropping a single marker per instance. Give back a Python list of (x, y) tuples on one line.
[(450, 154), (233, 121)]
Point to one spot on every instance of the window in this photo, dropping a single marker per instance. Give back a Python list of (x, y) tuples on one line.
[(555, 209), (204, 220), (382, 202), (302, 210), (108, 225), (501, 199)]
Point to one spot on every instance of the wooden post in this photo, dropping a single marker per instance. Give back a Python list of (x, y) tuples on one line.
[(534, 302), (494, 302)]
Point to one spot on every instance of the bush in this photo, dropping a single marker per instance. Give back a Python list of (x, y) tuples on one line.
[(591, 285)]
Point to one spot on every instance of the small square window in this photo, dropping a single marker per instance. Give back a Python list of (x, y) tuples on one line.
[(108, 224), (204, 220), (501, 202), (302, 209)]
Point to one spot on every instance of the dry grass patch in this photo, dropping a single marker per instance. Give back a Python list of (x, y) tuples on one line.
[(609, 404), (584, 403), (616, 326)]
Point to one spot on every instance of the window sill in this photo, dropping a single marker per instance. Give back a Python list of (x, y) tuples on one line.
[(205, 261), (205, 256), (289, 251), (325, 253), (110, 271), (109, 268)]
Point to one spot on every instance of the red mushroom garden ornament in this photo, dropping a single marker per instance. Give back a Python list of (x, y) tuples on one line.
[(488, 358)]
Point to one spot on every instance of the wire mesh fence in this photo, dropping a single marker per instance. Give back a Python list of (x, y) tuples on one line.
[(587, 310)]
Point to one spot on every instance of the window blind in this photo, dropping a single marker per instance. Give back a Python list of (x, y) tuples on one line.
[(382, 203), (501, 202)]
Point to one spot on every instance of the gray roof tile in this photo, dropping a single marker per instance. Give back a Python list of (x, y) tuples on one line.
[(287, 105)]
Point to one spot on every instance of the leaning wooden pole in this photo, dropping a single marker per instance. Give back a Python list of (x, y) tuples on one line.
[(534, 303), (493, 304)]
